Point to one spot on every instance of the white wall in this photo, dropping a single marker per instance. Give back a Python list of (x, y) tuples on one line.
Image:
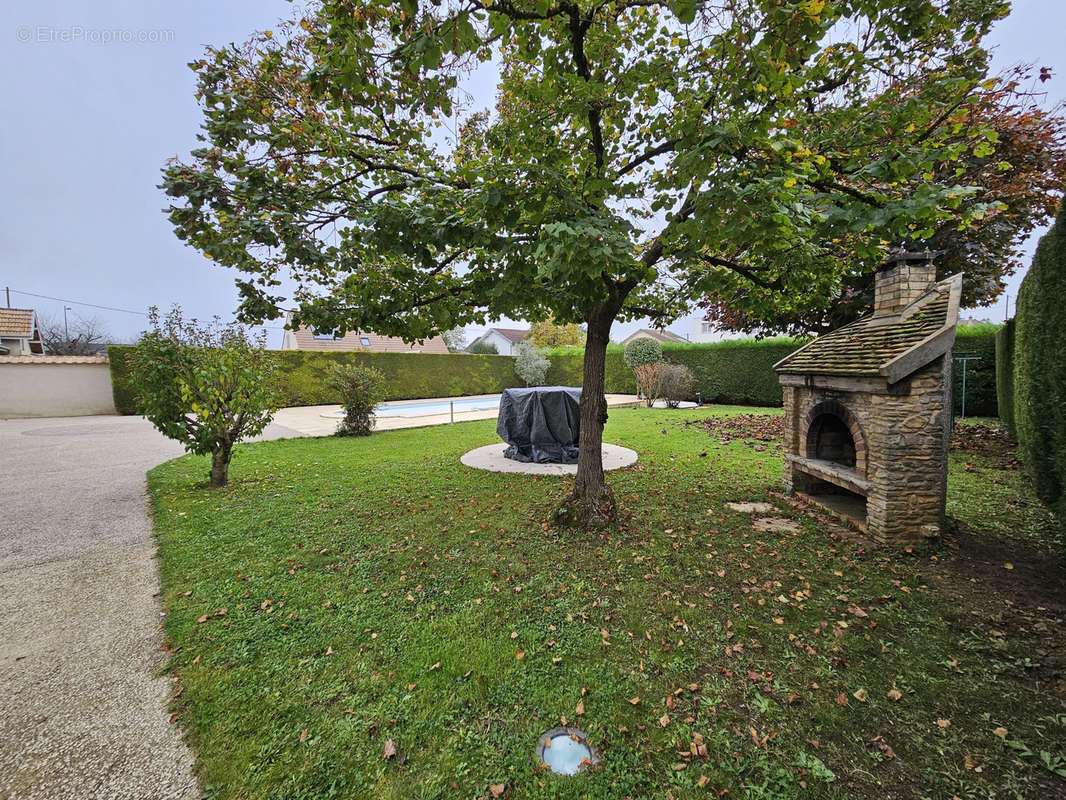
[(70, 386)]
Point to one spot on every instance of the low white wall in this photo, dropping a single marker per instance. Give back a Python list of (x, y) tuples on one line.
[(54, 386)]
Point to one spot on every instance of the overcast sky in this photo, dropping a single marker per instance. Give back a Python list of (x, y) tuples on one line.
[(99, 97)]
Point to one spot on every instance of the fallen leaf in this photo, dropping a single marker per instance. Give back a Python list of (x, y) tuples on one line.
[(842, 699), (664, 720), (329, 651), (390, 750), (580, 708), (303, 735), (860, 695), (894, 695), (514, 634), (702, 781), (1000, 732), (1008, 565), (435, 666), (634, 700), (519, 653), (943, 723), (497, 789), (202, 618)]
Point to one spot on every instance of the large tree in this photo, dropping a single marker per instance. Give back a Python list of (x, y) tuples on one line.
[(640, 154), (1019, 169)]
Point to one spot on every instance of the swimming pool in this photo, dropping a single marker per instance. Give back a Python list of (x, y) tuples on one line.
[(415, 409)]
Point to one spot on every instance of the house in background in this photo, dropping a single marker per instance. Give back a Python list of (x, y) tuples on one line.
[(353, 341), (19, 333), (704, 331), (505, 339), (662, 337)]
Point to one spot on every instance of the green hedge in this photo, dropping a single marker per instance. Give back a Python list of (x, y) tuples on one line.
[(1005, 375), (1040, 367), (567, 367), (980, 341), (737, 372), (303, 375)]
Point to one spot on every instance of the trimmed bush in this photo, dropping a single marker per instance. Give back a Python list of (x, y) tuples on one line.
[(361, 389), (1005, 375), (675, 384), (643, 351), (484, 349), (1040, 367), (980, 341)]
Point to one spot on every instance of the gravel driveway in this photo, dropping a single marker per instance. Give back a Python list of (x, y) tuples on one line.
[(81, 715)]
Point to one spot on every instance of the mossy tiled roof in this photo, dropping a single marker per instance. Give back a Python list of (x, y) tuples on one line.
[(863, 347)]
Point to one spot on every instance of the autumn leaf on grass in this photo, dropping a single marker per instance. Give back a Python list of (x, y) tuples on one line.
[(943, 723), (202, 618), (519, 653), (497, 789), (664, 720), (860, 695), (580, 708), (1000, 732), (842, 699), (435, 666), (303, 735), (895, 695), (634, 700), (390, 750)]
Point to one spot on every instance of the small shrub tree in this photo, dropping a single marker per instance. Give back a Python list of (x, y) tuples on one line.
[(642, 351), (361, 389), (206, 386), (642, 355), (675, 383), (649, 382), (455, 339), (484, 349), (531, 365)]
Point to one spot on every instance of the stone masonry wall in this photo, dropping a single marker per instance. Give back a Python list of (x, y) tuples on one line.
[(905, 431), (909, 432), (900, 285)]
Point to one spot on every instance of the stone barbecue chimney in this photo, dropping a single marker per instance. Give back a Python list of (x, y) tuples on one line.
[(903, 279)]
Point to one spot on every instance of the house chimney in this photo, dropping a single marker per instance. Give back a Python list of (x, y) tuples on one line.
[(904, 278)]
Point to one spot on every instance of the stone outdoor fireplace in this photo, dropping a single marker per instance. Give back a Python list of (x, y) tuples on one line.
[(867, 407)]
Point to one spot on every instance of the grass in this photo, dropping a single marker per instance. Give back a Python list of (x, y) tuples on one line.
[(356, 593)]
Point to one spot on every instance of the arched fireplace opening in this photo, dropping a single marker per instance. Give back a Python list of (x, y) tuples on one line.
[(830, 439)]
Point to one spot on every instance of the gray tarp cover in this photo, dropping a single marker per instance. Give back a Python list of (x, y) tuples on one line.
[(540, 424)]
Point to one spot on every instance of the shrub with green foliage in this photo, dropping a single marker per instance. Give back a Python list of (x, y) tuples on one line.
[(361, 389), (206, 386), (530, 364), (1005, 376), (643, 351), (484, 349), (976, 340), (1040, 367), (675, 384)]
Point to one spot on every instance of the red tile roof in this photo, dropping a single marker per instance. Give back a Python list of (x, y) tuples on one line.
[(16, 323), (352, 341), (514, 334)]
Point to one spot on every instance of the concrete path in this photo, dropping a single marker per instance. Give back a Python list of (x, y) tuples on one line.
[(81, 715)]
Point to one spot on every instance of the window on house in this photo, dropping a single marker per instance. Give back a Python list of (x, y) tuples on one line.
[(707, 327), (329, 336), (364, 341)]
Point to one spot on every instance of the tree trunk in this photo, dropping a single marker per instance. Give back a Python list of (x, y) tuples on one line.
[(591, 503), (220, 465)]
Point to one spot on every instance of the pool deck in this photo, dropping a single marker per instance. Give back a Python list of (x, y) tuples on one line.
[(308, 420)]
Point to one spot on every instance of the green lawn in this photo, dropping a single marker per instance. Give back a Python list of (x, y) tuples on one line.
[(341, 594)]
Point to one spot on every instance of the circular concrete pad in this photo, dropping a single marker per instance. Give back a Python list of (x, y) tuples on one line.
[(491, 458)]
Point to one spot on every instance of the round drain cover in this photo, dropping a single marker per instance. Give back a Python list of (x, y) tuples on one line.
[(565, 751)]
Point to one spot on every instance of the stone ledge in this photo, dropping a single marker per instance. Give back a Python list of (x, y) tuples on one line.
[(832, 472)]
